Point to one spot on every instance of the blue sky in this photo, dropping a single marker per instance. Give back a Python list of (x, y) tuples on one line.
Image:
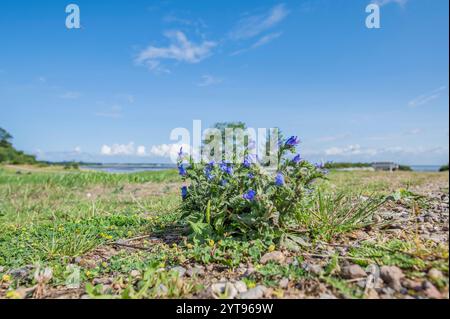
[(113, 90)]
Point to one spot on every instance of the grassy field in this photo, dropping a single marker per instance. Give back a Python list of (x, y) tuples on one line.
[(76, 234)]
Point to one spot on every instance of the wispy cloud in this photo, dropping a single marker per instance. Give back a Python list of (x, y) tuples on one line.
[(114, 112), (427, 97), (332, 138), (181, 49), (253, 25), (261, 42), (69, 95), (208, 80)]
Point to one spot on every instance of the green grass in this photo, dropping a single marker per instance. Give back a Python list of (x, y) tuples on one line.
[(50, 216)]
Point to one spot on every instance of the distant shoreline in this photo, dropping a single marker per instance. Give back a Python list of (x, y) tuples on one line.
[(132, 168)]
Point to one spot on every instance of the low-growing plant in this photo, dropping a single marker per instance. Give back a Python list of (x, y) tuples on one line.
[(247, 199)]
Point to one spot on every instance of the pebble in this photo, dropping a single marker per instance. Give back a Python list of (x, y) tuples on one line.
[(392, 275), (135, 273), (431, 291), (353, 272), (21, 273), (372, 294), (240, 286), (181, 271), (254, 293), (275, 256), (162, 290), (283, 283), (312, 268), (412, 284), (435, 274), (195, 271)]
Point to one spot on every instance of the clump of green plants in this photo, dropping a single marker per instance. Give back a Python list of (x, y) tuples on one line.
[(247, 199), (444, 168)]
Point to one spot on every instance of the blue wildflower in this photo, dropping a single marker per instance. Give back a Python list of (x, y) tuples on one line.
[(184, 192), (250, 195), (226, 168), (223, 182), (247, 163), (182, 170), (180, 153), (319, 166), (297, 159), (292, 141), (250, 175), (279, 179)]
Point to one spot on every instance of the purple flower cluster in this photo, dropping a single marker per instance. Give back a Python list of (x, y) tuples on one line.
[(250, 195), (279, 179), (226, 168), (184, 192), (182, 170), (292, 141), (297, 159), (208, 170)]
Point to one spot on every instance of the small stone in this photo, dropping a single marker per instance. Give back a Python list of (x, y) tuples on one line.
[(195, 271), (435, 274), (387, 293), (181, 271), (135, 273), (2, 268), (249, 271), (284, 283), (372, 294), (392, 275), (431, 291), (101, 281), (254, 293), (240, 286), (275, 256), (412, 284), (162, 290), (20, 273), (361, 283), (312, 268), (353, 272)]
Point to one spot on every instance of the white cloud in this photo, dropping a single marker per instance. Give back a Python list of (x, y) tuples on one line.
[(350, 150), (118, 149), (141, 151), (427, 97), (77, 149), (208, 80), (181, 49), (170, 150), (254, 25)]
